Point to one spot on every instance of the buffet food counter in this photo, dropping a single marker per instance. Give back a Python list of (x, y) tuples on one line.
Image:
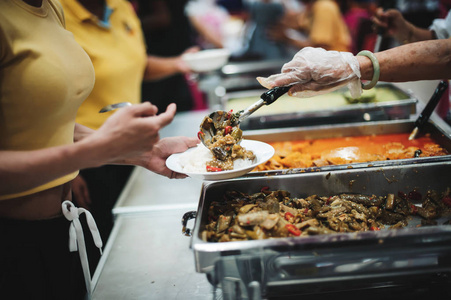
[(148, 256)]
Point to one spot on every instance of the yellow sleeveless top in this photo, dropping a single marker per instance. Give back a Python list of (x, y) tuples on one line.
[(44, 77), (118, 53)]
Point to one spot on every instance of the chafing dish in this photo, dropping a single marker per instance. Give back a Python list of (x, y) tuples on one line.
[(241, 76), (391, 103), (235, 76), (438, 130), (343, 262)]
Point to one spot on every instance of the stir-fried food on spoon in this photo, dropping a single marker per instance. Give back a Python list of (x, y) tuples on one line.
[(224, 142)]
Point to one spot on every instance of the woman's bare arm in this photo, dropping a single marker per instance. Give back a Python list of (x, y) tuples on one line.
[(161, 67), (129, 134), (426, 60), (314, 71)]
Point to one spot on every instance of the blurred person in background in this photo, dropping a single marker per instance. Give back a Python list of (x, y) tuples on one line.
[(322, 24), (418, 12), (395, 25), (44, 77), (260, 16), (208, 20), (234, 7), (110, 33), (357, 16), (444, 7), (168, 32)]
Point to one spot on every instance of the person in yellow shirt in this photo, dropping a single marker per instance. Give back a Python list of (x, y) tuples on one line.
[(321, 24), (44, 77), (111, 34)]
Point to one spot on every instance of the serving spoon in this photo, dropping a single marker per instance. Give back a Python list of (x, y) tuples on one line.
[(211, 123), (114, 106)]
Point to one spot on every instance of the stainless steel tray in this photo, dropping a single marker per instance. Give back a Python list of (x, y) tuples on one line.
[(240, 76), (439, 131), (393, 103), (336, 262)]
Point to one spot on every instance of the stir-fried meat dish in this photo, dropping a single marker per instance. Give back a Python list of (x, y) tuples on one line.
[(275, 214), (225, 144), (346, 150)]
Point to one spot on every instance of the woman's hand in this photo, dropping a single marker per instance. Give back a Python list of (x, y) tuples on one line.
[(155, 160), (393, 23), (180, 63), (128, 133), (131, 136), (314, 71), (162, 67)]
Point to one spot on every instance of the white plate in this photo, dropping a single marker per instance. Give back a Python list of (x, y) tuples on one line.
[(207, 60), (263, 152)]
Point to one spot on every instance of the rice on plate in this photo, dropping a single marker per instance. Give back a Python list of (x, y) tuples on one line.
[(195, 160)]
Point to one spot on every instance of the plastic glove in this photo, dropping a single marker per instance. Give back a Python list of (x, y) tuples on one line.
[(315, 71)]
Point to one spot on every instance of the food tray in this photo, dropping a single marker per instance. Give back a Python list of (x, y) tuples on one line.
[(437, 132), (334, 262), (240, 76), (391, 103)]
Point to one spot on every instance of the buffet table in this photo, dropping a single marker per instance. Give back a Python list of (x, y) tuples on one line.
[(147, 255)]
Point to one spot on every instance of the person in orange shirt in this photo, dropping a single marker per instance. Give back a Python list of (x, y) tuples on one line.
[(321, 23)]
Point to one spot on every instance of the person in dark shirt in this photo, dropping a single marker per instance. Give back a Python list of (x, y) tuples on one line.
[(167, 32)]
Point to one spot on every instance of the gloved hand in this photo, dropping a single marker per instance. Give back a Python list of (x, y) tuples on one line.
[(315, 71)]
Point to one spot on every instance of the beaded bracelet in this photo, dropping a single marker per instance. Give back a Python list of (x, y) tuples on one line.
[(376, 68)]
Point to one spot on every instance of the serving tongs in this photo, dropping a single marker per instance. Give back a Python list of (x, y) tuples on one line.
[(210, 123), (427, 111)]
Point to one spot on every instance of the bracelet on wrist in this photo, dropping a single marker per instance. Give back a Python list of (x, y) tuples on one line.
[(376, 69)]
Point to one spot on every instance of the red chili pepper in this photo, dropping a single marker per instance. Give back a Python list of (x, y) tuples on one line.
[(447, 201), (213, 169), (373, 228), (293, 229), (328, 200), (200, 134), (227, 130), (264, 189), (288, 215), (414, 209), (229, 114)]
